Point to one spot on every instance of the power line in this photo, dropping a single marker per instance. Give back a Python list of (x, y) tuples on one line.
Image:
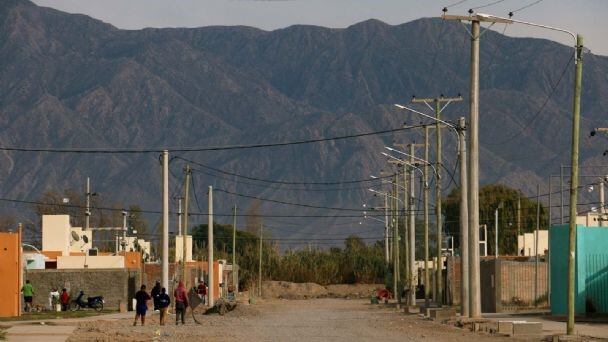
[(540, 110), (278, 181), (200, 149), (526, 6), (488, 5)]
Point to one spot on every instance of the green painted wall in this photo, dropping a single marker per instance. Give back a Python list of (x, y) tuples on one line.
[(591, 269)]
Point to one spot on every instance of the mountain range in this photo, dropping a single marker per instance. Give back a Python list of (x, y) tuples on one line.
[(71, 81)]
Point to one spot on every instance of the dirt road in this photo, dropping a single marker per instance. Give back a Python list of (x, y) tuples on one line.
[(287, 320)]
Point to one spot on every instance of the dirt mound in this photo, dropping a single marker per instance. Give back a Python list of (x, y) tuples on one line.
[(288, 290), (352, 290)]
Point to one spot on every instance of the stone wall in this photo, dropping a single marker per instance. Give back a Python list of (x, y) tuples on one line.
[(114, 285)]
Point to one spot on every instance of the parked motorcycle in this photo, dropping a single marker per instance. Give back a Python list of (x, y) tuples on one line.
[(95, 303)]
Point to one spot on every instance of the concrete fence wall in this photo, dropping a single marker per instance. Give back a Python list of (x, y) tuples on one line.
[(114, 285)]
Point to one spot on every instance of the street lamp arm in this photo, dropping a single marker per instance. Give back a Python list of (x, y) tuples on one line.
[(404, 162), (433, 118), (385, 194), (419, 159)]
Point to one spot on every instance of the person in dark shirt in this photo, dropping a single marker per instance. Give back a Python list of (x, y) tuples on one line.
[(155, 293), (142, 297), (163, 305)]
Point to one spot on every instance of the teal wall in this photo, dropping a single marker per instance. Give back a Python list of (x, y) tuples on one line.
[(591, 268)]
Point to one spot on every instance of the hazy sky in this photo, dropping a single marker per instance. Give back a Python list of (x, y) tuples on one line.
[(586, 17)]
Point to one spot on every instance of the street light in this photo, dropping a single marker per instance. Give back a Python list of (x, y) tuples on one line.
[(476, 19)]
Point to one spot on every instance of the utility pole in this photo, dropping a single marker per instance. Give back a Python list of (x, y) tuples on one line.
[(602, 207), (260, 265), (464, 221), (234, 277), (427, 280), (396, 275), (412, 230), (496, 232), (124, 231), (185, 226), (574, 182), (518, 214), (438, 101), (386, 231), (87, 213), (165, 242), (473, 148), (210, 263), (179, 216), (536, 245), (406, 228)]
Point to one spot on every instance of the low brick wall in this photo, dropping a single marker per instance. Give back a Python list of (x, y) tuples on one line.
[(114, 285)]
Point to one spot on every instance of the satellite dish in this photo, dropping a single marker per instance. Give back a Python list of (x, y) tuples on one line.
[(75, 236), (85, 239)]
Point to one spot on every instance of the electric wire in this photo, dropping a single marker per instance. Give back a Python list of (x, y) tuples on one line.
[(201, 149), (488, 4), (526, 6), (539, 111)]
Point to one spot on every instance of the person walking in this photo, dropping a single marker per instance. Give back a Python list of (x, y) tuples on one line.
[(163, 305), (155, 293), (181, 303), (202, 290), (64, 298), (28, 295), (142, 297)]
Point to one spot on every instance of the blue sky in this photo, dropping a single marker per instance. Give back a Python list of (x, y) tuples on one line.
[(586, 17)]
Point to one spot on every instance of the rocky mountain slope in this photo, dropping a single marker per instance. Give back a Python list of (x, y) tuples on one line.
[(73, 81)]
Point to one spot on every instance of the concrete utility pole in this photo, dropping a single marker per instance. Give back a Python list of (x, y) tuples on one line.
[(496, 232), (234, 277), (602, 206), (574, 182), (210, 264), (464, 222), (87, 213), (165, 242), (260, 265), (396, 266), (473, 148), (179, 216), (386, 231), (438, 101), (406, 228), (427, 279), (185, 227), (124, 231), (536, 245), (412, 230)]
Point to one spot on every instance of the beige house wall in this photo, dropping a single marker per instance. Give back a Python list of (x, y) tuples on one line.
[(56, 233), (179, 246), (90, 262)]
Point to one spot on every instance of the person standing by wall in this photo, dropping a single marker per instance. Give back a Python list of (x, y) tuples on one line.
[(163, 305), (28, 295), (64, 298), (142, 297), (181, 303)]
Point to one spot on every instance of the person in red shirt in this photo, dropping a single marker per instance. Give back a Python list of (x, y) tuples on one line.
[(64, 298), (181, 303)]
